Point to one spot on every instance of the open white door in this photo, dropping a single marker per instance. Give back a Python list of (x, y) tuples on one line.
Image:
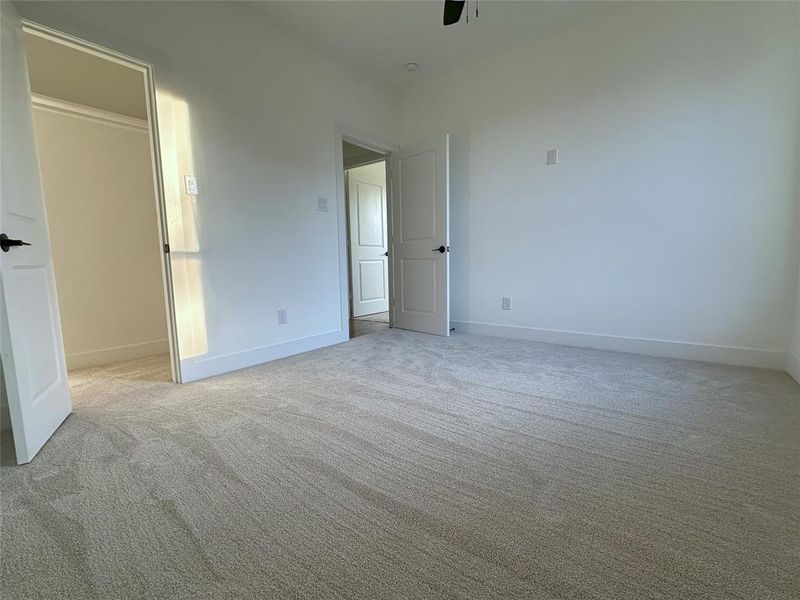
[(366, 194), (32, 350), (421, 241)]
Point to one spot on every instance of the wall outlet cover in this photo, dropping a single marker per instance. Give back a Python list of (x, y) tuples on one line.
[(506, 302), (190, 183), (282, 316), (322, 204), (552, 157)]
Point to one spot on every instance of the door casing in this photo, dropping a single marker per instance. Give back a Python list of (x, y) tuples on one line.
[(155, 154), (345, 133)]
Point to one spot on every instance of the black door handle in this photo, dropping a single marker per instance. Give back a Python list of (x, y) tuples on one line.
[(6, 242), (441, 249), (386, 253)]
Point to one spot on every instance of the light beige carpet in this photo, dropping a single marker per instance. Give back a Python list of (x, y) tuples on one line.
[(401, 465)]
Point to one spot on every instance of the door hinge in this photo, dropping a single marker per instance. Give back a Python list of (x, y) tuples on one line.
[(166, 248)]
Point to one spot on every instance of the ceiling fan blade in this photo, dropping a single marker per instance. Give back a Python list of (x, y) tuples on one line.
[(452, 11)]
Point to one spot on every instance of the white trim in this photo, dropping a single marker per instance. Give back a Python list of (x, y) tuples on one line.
[(209, 366), (792, 366), (146, 69), (731, 355), (163, 229), (89, 113), (104, 356), (345, 133), (53, 35), (365, 140)]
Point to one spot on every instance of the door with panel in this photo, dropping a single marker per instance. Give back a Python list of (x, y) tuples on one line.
[(32, 349), (369, 245), (420, 242)]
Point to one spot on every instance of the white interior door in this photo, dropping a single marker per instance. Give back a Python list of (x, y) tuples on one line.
[(32, 349), (369, 271), (420, 242)]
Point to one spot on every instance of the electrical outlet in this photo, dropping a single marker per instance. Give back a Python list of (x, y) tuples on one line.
[(190, 184), (552, 157), (506, 302), (322, 204), (282, 318)]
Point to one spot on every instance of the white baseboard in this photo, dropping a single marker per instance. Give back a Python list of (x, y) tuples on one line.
[(104, 356), (207, 366), (747, 357), (793, 366)]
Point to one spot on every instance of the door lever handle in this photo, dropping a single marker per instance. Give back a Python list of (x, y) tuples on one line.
[(440, 249), (6, 242)]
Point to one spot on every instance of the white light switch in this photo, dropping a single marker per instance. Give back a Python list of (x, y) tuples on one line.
[(282, 316), (552, 157), (322, 204), (190, 183)]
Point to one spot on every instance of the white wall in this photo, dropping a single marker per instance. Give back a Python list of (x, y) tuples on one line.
[(101, 213), (667, 218), (670, 217), (258, 112)]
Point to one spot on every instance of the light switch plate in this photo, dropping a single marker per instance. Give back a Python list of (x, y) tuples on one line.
[(282, 317), (322, 204), (552, 157), (506, 302), (190, 182)]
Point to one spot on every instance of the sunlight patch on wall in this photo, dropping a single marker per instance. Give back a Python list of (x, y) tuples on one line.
[(176, 155)]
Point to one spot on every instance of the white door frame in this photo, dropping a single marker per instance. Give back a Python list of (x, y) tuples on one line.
[(155, 154), (345, 133)]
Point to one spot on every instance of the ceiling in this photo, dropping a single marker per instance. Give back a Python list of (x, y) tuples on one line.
[(352, 154), (62, 72), (380, 36)]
